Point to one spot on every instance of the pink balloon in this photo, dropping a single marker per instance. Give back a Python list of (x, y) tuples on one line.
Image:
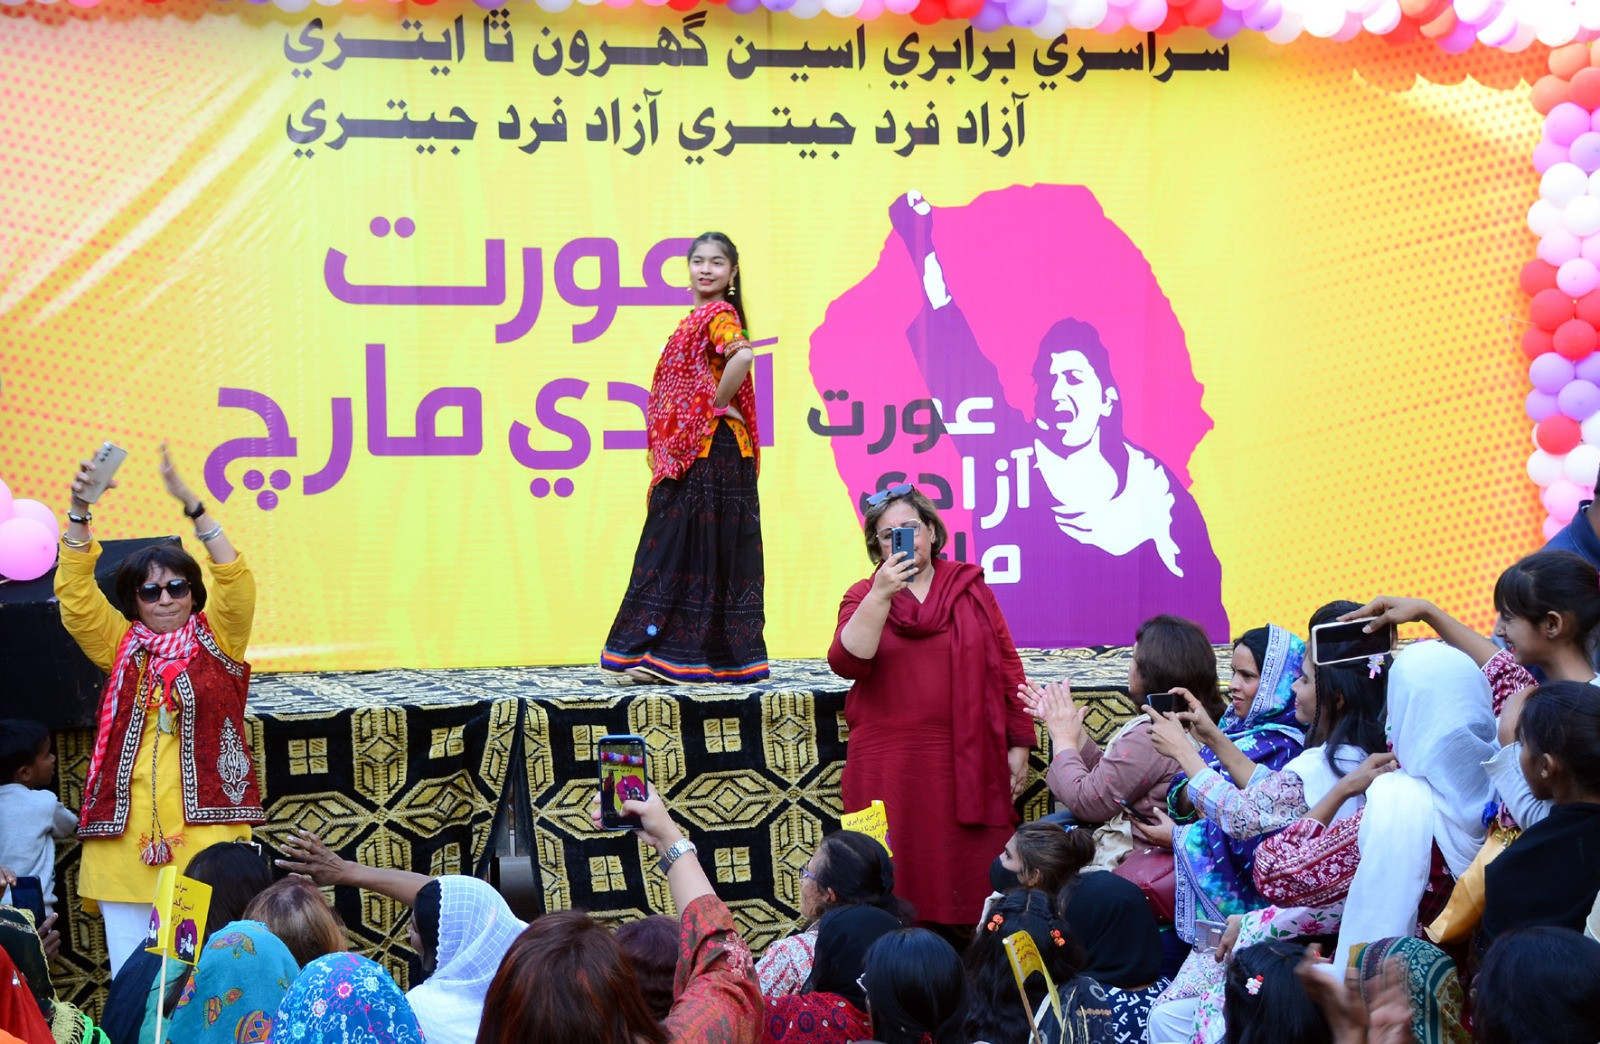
[(1263, 15), (1577, 277), (1113, 22), (1547, 154), (1540, 405), (37, 511), (27, 550), (1460, 39), (1552, 527), (1561, 500), (1558, 247), (5, 501), (1146, 15), (1565, 122), (1228, 25), (871, 9)]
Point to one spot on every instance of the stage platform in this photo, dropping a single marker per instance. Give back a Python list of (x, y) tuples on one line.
[(443, 771)]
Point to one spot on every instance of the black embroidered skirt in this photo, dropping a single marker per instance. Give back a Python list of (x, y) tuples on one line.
[(693, 611)]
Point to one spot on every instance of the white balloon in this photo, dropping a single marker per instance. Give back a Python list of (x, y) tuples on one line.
[(1055, 22), (1589, 15), (1582, 216), (806, 8), (1475, 11), (1362, 8), (1591, 430), (1522, 39), (1558, 25), (1545, 217), (842, 8), (553, 6), (1582, 462), (1323, 18), (1086, 14), (1563, 183), (1546, 468), (1558, 246), (1384, 19), (1287, 30), (1350, 30), (1500, 31)]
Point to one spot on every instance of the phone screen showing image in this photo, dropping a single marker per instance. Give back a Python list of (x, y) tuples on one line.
[(1348, 641), (622, 778)]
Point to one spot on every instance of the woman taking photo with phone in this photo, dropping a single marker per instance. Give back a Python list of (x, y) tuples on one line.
[(693, 609), (934, 733), (171, 772)]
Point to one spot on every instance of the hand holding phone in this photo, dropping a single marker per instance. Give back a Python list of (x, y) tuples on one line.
[(1347, 641), (1134, 814), (28, 894), (623, 777), (904, 539), (1166, 702), (95, 479), (1208, 935)]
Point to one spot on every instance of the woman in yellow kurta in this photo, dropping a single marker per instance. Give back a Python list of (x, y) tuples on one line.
[(171, 771)]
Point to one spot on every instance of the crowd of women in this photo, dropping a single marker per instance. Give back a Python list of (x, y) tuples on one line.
[(1429, 819)]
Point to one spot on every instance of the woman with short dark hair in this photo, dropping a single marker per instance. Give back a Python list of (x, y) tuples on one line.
[(916, 989), (934, 732), (171, 772)]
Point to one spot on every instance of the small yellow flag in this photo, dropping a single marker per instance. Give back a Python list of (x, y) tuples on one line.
[(872, 821), (1025, 961), (178, 916)]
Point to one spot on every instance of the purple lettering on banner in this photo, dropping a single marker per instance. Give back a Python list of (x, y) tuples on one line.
[(1049, 403), (277, 442), (554, 420)]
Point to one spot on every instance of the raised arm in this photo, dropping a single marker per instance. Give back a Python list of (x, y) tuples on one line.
[(1390, 610), (86, 613), (860, 634), (231, 605), (306, 854)]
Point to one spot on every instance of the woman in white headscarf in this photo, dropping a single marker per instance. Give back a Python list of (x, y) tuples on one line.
[(1442, 730), (471, 928)]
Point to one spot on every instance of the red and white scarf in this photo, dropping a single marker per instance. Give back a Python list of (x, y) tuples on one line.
[(168, 656)]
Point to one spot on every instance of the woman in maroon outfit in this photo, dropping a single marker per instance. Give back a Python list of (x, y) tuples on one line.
[(933, 733)]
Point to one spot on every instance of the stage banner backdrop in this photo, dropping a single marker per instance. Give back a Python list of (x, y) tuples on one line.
[(1161, 323)]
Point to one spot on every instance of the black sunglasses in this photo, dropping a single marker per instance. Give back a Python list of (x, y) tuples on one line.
[(151, 593), (893, 491)]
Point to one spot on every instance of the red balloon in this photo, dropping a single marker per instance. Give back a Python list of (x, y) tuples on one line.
[(1586, 87), (1551, 308), (963, 8), (1548, 92), (1172, 23), (1557, 434), (683, 5), (1588, 308), (1536, 275), (1535, 342), (1202, 14), (1403, 33), (1574, 339), (928, 12)]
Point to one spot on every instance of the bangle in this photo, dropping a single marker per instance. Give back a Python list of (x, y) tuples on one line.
[(82, 520), (78, 544), (210, 534), (199, 509), (720, 411)]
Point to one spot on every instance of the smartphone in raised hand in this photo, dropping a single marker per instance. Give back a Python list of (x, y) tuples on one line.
[(106, 460), (623, 777)]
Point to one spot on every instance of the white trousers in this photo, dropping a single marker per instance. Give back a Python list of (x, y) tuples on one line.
[(127, 924), (1172, 1022)]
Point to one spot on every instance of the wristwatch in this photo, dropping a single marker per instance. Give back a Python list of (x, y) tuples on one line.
[(680, 849)]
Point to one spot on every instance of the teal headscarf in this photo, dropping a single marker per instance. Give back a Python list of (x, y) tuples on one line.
[(243, 973)]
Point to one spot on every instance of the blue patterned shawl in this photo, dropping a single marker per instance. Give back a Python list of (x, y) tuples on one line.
[(1213, 869)]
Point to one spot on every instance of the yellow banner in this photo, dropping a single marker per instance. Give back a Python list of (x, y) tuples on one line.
[(394, 279)]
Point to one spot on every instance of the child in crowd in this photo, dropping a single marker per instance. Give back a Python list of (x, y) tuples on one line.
[(31, 816)]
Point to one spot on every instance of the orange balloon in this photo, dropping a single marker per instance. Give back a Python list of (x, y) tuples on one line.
[(1416, 8), (1586, 87), (1567, 60), (1594, 53), (1441, 26), (1548, 92)]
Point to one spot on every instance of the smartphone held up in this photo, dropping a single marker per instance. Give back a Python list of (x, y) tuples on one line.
[(904, 539), (623, 777), (1349, 641)]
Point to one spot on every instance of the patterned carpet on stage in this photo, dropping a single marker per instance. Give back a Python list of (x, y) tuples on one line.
[(421, 770)]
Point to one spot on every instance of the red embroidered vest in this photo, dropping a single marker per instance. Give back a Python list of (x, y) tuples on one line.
[(218, 770)]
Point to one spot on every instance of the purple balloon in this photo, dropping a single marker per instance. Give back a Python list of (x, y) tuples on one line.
[(1025, 14), (1263, 15), (1540, 406), (777, 5), (744, 6), (990, 17), (1565, 122), (1585, 151), (1579, 399), (1228, 25), (1460, 39), (1547, 154), (1588, 368), (1550, 373)]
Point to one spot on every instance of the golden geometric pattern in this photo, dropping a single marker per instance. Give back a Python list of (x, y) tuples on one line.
[(333, 816), (547, 851), (605, 874), (447, 742), (585, 740), (660, 723), (436, 803), (446, 859), (733, 865), (382, 848), (254, 733), (569, 809), (789, 733), (841, 727), (308, 756), (536, 751), (722, 736), (722, 800), (379, 735), (796, 833)]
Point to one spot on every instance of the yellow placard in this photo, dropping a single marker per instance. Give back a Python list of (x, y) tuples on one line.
[(872, 821), (1025, 961), (178, 916)]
